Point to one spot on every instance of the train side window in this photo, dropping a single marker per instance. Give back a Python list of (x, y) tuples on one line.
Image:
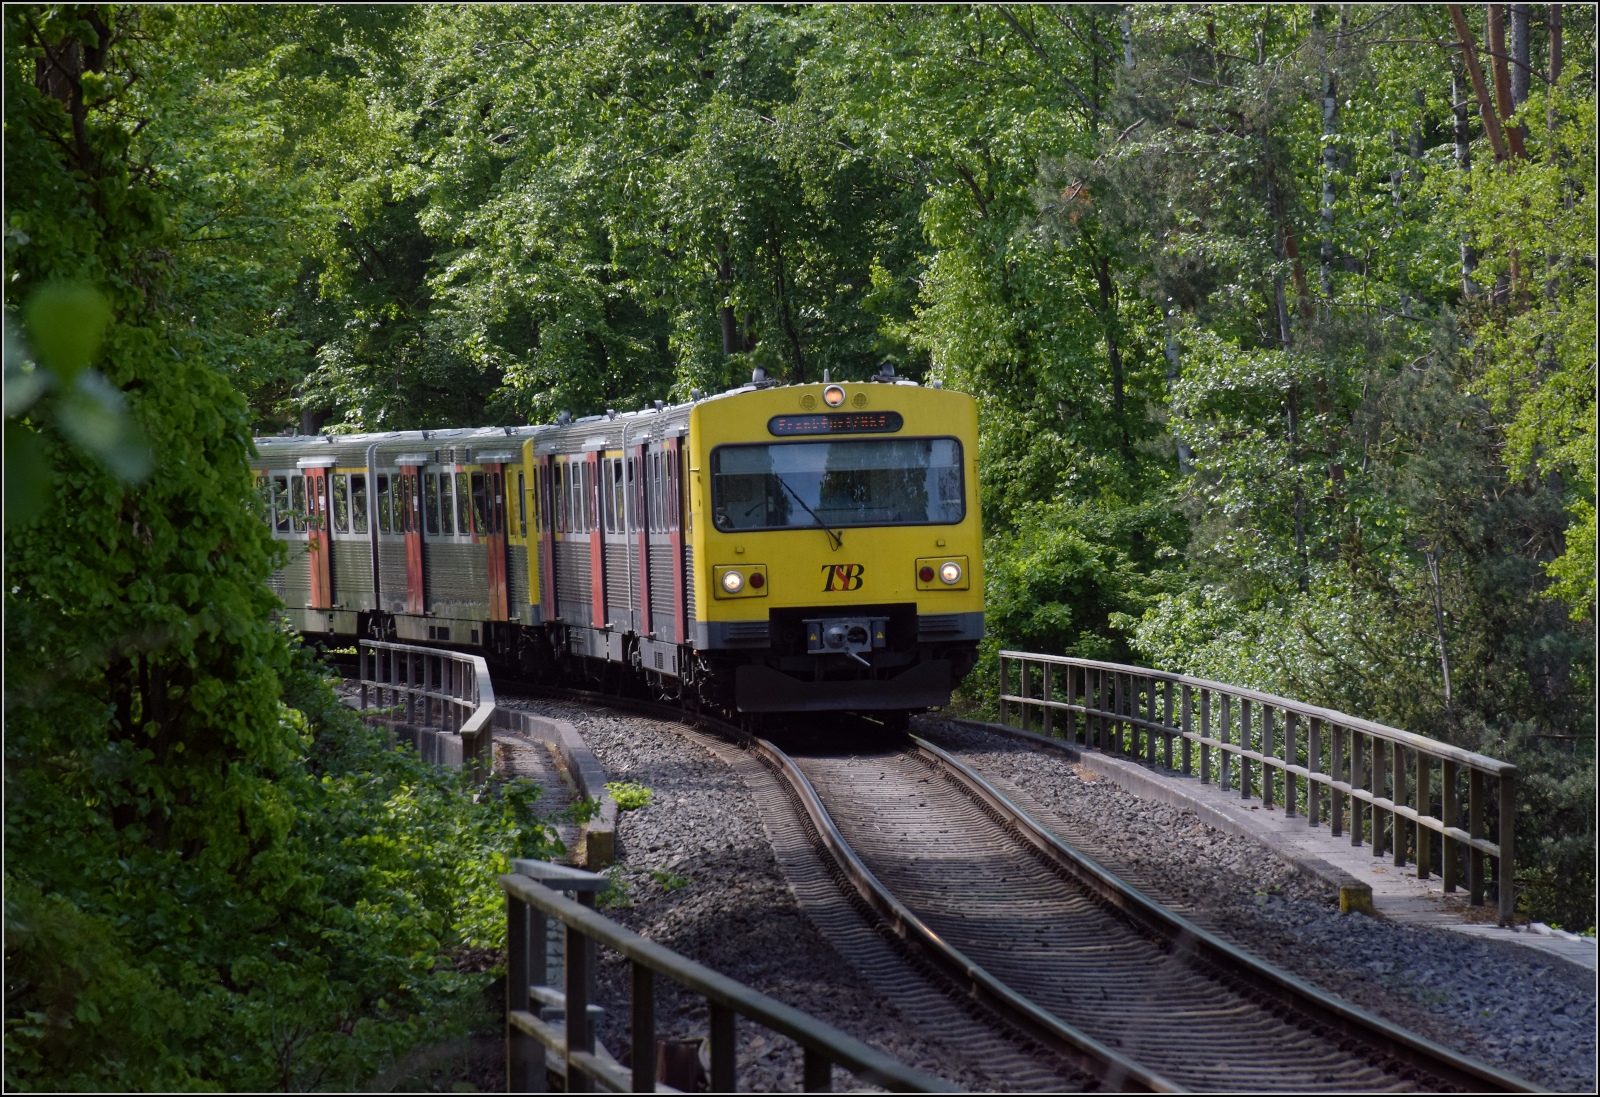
[(630, 495), (522, 505), (280, 504), (341, 504), (652, 501), (497, 502), (382, 492), (674, 501), (479, 524), (430, 501), (447, 506), (619, 497), (463, 505), (358, 502), (558, 487), (297, 502), (608, 502)]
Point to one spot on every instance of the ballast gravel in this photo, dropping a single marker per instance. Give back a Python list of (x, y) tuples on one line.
[(1515, 1008), (697, 874)]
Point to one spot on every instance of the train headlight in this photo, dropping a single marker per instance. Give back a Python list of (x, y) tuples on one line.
[(833, 396), (950, 573), (732, 582)]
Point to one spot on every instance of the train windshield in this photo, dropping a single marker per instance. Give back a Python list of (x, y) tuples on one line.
[(865, 482)]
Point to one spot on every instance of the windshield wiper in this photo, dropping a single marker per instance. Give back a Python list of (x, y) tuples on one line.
[(838, 541)]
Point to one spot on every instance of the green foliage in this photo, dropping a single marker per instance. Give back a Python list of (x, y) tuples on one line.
[(628, 794), (669, 880), (214, 877)]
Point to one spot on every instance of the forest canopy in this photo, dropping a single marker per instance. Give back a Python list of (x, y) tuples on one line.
[(1281, 320)]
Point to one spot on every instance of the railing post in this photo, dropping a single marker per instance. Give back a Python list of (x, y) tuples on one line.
[(1268, 750), (1024, 672), (1170, 719), (1245, 741), (580, 1033), (1150, 735), (817, 1073), (521, 1050), (1425, 810), (1505, 871), (1291, 757), (723, 1034), (1118, 725), (1450, 812), (1003, 662), (644, 1028), (1380, 837), (1357, 780), (1336, 772), (1224, 758), (363, 655), (1188, 744), (1049, 732), (1397, 822)]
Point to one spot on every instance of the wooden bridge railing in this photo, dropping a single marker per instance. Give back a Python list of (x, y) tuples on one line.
[(1392, 788), (550, 1028), (433, 688)]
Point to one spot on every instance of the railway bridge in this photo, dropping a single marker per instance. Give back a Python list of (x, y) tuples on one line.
[(976, 911)]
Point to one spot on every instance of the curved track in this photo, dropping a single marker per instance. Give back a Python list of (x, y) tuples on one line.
[(1123, 989)]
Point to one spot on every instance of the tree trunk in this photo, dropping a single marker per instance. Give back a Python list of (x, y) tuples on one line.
[(1127, 38), (1185, 453), (1463, 136), (1330, 163), (1502, 78), (1480, 91), (1438, 624), (730, 332), (1555, 60), (1520, 69), (1108, 314)]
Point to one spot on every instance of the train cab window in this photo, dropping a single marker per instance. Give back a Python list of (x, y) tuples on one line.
[(480, 524), (341, 505), (383, 504), (430, 502), (297, 502), (358, 502), (280, 504), (522, 505), (910, 481)]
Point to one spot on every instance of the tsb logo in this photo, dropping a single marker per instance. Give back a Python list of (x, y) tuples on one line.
[(841, 576)]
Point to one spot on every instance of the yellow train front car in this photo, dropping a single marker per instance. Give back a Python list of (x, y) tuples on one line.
[(838, 534), (795, 548)]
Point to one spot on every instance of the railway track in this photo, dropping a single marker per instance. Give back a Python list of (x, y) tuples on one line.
[(1116, 987)]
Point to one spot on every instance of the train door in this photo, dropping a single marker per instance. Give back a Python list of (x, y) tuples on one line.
[(319, 537), (493, 478), (639, 502), (621, 595), (409, 519), (597, 545), (544, 473), (674, 501)]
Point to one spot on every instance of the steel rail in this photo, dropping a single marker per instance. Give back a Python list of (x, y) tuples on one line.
[(1182, 936)]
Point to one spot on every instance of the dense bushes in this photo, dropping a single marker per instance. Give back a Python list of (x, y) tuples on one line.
[(214, 876)]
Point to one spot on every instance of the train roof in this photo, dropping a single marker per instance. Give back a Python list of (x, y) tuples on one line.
[(609, 431)]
